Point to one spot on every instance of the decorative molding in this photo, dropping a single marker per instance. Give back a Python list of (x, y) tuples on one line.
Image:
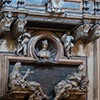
[(73, 0), (7, 59)]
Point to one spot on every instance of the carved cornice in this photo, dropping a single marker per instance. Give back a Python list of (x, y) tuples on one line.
[(55, 6), (81, 32), (93, 34), (87, 33)]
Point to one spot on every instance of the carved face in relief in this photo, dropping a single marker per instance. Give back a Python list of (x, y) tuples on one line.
[(17, 66), (45, 44)]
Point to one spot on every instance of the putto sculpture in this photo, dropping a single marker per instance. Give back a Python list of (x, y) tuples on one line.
[(68, 44), (22, 43), (17, 80), (44, 53), (77, 81), (55, 6)]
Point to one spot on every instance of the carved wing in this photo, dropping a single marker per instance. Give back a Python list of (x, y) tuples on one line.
[(63, 38)]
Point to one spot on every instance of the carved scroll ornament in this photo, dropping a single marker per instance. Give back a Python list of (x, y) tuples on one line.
[(17, 80), (77, 81)]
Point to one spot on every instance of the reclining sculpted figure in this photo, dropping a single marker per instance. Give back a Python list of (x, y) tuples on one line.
[(16, 79), (77, 81)]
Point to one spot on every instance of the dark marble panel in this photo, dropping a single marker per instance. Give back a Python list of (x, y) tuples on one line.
[(47, 75)]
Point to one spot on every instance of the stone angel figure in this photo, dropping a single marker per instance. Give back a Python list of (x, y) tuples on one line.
[(22, 43), (55, 6), (67, 43), (16, 80), (76, 81)]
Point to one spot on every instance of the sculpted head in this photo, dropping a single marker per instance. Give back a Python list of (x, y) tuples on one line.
[(45, 44), (17, 66), (81, 67)]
